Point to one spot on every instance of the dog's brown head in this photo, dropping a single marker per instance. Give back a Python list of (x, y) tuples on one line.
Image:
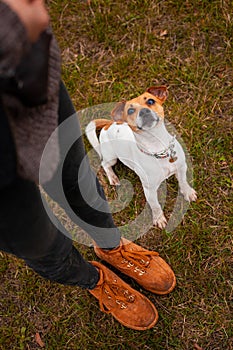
[(143, 112)]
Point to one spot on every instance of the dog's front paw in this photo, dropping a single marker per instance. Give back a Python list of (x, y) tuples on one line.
[(193, 196), (190, 195), (112, 177), (160, 221), (113, 180)]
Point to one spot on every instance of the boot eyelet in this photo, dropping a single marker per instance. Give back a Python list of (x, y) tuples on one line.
[(122, 305), (130, 264)]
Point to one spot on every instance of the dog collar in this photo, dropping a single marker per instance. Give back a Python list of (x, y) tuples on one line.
[(166, 153)]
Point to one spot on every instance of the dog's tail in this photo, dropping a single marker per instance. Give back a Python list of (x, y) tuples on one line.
[(91, 129)]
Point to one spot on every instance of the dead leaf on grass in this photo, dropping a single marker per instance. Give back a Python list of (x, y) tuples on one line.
[(163, 33), (39, 340)]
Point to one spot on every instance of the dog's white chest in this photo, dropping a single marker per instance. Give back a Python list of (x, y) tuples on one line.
[(119, 142)]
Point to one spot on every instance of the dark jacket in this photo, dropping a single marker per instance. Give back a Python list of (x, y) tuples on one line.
[(8, 171), (24, 131)]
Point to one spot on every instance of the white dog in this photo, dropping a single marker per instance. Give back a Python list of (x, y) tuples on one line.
[(137, 136)]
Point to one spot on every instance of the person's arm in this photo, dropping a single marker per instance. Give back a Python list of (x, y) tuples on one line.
[(22, 21)]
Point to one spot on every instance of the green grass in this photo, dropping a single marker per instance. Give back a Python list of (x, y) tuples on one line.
[(113, 50)]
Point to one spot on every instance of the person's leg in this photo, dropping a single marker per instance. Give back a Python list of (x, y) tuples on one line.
[(26, 232), (87, 203)]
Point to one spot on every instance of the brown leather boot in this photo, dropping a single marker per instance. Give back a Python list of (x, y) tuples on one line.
[(144, 266), (117, 298)]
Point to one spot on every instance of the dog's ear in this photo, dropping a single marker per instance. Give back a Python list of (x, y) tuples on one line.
[(117, 112), (159, 91)]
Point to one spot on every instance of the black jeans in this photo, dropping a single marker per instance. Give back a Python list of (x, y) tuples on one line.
[(27, 231)]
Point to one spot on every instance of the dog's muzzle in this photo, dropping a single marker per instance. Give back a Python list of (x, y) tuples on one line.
[(146, 119)]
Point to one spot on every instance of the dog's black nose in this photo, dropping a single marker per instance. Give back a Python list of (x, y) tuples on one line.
[(146, 118), (147, 114), (144, 112)]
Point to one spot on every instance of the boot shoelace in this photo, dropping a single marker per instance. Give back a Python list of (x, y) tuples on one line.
[(114, 291), (139, 260)]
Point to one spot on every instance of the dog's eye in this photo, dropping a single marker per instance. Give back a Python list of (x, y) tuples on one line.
[(150, 102), (131, 111)]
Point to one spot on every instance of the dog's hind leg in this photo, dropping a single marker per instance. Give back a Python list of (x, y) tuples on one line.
[(112, 177)]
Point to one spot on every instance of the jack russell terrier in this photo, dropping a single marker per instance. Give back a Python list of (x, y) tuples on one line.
[(137, 136)]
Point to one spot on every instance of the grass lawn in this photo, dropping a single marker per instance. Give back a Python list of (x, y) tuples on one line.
[(113, 50)]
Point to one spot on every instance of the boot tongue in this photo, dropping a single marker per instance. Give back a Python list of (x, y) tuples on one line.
[(114, 250)]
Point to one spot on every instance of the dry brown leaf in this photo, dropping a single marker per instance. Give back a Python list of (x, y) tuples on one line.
[(39, 340), (163, 32)]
